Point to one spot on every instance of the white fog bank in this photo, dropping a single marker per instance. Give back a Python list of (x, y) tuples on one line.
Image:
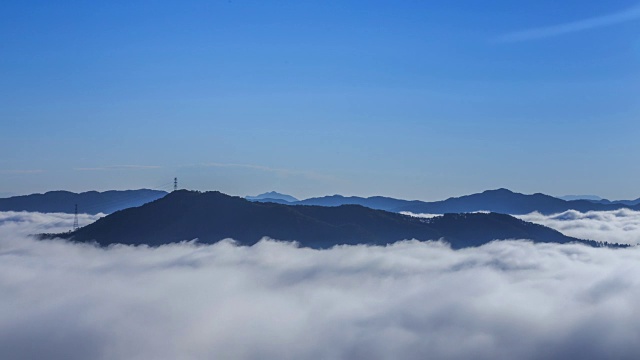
[(410, 300), (618, 226)]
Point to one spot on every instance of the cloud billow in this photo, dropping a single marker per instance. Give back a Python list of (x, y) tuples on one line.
[(618, 226), (410, 300)]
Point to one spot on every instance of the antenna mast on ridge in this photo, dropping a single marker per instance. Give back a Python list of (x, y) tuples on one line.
[(75, 219), (175, 184)]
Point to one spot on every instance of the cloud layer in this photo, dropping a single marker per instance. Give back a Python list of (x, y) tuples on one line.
[(16, 223), (619, 226), (411, 300)]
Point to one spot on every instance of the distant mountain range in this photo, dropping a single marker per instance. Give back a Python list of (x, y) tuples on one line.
[(501, 201), (91, 202), (599, 200), (630, 203), (273, 197), (580, 197), (213, 216)]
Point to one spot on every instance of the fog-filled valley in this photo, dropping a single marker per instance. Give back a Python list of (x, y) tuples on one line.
[(274, 300)]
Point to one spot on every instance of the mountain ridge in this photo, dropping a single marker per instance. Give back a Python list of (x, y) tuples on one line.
[(498, 200), (273, 196), (89, 202), (213, 216)]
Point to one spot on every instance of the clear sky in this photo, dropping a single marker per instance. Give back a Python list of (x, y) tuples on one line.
[(411, 99)]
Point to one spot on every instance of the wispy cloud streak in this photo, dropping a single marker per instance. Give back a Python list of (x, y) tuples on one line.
[(620, 17)]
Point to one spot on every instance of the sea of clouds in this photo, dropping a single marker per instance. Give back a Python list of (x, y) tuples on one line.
[(618, 226), (410, 300)]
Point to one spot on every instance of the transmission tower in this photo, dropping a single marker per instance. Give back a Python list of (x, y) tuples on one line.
[(75, 220), (175, 184)]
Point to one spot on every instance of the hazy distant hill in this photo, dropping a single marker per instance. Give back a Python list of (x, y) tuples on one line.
[(91, 202), (507, 202), (630, 203), (581, 197), (599, 200), (501, 201), (272, 196), (213, 216)]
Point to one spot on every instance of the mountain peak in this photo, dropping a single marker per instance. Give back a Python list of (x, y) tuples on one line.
[(498, 191), (272, 195), (213, 216)]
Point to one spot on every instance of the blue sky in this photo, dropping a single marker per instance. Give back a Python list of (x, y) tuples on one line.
[(412, 99)]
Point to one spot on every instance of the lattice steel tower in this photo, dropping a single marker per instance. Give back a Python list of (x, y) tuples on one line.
[(175, 184), (75, 219)]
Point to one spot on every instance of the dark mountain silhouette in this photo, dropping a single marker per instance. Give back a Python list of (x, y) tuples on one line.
[(374, 202), (599, 200), (507, 202), (91, 202), (272, 196), (580, 197), (630, 203), (213, 216), (275, 201), (501, 201)]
